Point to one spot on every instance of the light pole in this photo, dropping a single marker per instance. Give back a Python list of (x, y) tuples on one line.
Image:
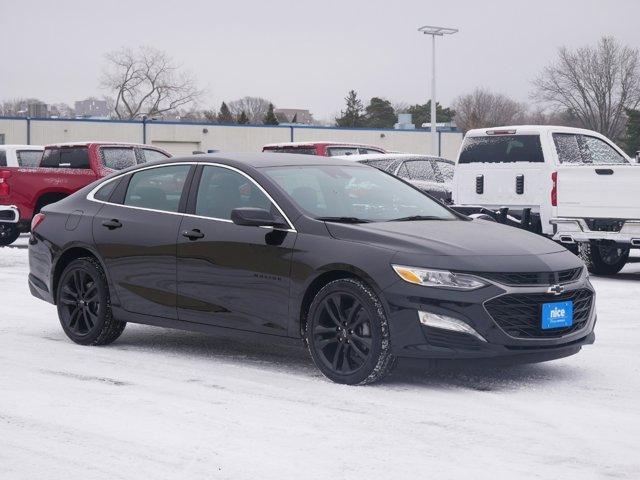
[(440, 32)]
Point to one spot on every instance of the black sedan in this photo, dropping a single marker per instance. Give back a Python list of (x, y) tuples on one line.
[(432, 175), (360, 265)]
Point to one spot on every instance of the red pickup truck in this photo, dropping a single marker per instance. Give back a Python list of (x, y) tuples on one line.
[(64, 169), (324, 149)]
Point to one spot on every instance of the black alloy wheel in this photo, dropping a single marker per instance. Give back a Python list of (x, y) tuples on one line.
[(83, 304), (604, 259), (9, 233), (347, 333)]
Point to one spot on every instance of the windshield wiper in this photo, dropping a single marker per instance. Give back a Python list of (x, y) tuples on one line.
[(343, 219), (413, 218)]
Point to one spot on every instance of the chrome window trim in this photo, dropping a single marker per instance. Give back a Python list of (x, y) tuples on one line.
[(91, 194)]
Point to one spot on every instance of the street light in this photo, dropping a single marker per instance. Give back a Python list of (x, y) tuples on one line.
[(435, 31)]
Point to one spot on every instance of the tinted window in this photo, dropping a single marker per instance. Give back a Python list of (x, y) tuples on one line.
[(335, 151), (501, 149), (581, 149), (421, 170), (29, 158), (118, 158), (221, 190), (50, 158), (76, 157), (157, 188), (153, 155), (105, 192), (3, 158), (369, 151), (354, 191)]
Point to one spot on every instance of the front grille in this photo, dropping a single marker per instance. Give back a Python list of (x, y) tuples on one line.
[(520, 314), (533, 278), (604, 224)]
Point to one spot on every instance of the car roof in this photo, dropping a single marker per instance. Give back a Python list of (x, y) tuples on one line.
[(530, 129), (21, 147), (87, 143), (392, 157), (260, 160), (314, 143)]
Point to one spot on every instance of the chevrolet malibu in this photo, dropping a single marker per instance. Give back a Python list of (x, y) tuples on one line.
[(360, 265)]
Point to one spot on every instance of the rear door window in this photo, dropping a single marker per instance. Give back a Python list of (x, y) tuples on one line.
[(422, 170), (502, 149), (77, 157), (584, 149), (157, 188), (446, 170), (151, 155), (119, 158), (29, 158), (335, 151)]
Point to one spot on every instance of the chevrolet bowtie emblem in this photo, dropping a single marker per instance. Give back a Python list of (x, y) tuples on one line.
[(556, 289)]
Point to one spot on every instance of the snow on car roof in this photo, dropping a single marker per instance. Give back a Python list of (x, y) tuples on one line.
[(313, 143), (392, 156), (21, 147), (529, 129)]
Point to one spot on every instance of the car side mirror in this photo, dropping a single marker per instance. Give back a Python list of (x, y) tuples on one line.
[(253, 217)]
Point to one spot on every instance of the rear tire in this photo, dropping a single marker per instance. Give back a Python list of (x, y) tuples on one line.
[(604, 259), (347, 333), (9, 233), (84, 307)]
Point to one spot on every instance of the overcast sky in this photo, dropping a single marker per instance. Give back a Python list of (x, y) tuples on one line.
[(303, 54)]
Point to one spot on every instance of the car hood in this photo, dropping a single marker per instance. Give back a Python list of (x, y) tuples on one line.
[(464, 245)]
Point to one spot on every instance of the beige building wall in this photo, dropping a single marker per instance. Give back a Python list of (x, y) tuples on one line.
[(183, 139)]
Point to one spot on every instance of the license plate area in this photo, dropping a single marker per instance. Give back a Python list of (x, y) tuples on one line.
[(557, 315)]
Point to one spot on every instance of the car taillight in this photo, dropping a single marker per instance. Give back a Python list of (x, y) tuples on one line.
[(554, 189), (4, 186), (37, 219)]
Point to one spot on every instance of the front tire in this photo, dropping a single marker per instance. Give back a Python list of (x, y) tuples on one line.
[(348, 334), (84, 307), (604, 259), (9, 233)]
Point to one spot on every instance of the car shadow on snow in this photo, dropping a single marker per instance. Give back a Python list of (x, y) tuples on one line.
[(285, 356)]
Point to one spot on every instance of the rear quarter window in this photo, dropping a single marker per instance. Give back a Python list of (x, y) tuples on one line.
[(502, 149)]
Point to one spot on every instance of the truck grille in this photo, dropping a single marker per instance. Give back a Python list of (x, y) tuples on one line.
[(533, 278), (520, 314)]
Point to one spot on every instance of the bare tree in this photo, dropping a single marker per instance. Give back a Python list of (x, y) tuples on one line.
[(17, 106), (255, 108), (483, 108), (595, 83), (147, 82)]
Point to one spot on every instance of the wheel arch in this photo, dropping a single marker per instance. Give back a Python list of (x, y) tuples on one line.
[(48, 198), (324, 276), (68, 255)]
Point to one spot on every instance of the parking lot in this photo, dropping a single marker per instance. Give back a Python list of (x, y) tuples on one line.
[(161, 403)]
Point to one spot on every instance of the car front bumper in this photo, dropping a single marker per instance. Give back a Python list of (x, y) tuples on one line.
[(410, 338)]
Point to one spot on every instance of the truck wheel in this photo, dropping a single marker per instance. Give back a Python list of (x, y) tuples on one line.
[(9, 233), (604, 259)]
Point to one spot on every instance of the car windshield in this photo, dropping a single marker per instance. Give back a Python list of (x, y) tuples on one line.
[(355, 194)]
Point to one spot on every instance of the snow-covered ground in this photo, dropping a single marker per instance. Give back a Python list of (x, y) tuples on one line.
[(168, 404)]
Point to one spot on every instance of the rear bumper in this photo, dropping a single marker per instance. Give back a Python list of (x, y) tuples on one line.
[(9, 214), (574, 230)]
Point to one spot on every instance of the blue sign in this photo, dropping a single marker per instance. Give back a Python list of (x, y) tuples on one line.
[(557, 315)]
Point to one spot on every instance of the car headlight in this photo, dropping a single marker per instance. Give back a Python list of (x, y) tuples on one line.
[(439, 278)]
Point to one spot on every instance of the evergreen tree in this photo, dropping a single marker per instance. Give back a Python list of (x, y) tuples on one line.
[(270, 117), (352, 116), (422, 113), (632, 132), (243, 119), (225, 115), (380, 114)]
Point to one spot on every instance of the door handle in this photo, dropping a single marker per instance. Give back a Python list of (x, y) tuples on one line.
[(112, 224), (604, 171), (194, 234)]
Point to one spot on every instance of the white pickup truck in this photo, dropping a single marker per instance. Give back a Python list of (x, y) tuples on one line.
[(572, 185), (20, 155)]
